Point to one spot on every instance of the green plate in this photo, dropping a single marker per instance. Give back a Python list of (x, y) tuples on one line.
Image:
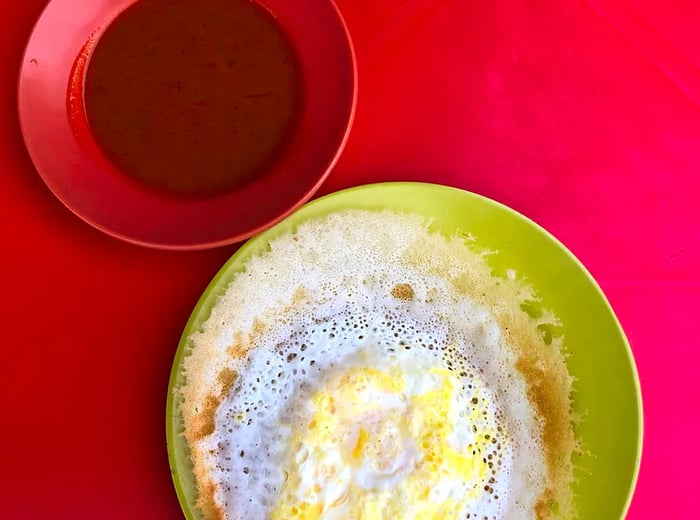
[(606, 390)]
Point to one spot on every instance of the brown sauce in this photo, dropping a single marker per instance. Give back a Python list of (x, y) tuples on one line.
[(196, 97)]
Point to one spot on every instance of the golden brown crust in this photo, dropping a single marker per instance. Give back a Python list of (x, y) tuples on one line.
[(202, 426), (545, 379), (239, 347), (258, 330), (403, 291), (200, 419), (206, 503), (549, 389), (203, 423), (226, 377)]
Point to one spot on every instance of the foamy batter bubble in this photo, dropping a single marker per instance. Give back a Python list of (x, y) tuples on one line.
[(344, 294)]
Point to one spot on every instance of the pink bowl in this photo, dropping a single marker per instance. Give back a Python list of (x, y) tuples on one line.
[(67, 157)]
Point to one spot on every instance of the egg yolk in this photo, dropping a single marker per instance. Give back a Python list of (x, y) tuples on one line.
[(387, 444)]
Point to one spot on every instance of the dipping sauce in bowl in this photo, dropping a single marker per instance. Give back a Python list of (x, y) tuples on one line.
[(186, 124), (193, 96)]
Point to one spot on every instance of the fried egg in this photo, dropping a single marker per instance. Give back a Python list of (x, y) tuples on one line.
[(392, 443), (348, 374)]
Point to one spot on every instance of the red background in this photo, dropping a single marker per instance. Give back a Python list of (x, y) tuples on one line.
[(582, 115)]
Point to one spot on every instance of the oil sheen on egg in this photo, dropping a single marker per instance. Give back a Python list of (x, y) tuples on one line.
[(364, 386)]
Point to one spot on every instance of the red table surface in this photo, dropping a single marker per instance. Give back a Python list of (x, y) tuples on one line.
[(544, 105)]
